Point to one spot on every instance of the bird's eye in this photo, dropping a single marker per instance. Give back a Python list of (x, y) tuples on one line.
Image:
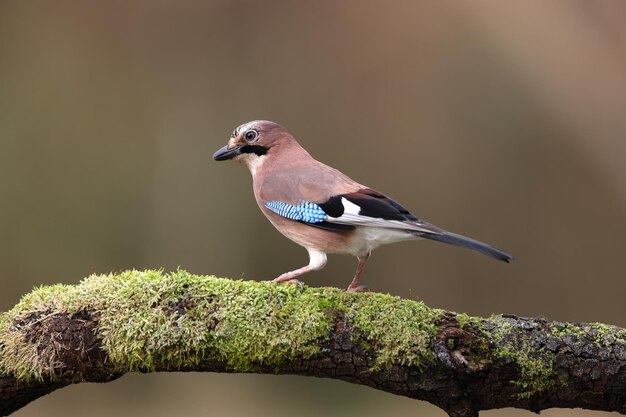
[(251, 135)]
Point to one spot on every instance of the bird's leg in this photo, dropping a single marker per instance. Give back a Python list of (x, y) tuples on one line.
[(317, 261), (354, 285), (291, 275)]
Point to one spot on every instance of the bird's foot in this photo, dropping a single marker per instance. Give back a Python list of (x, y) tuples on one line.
[(292, 281), (357, 288)]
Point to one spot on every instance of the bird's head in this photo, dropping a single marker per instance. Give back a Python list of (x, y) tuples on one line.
[(251, 142)]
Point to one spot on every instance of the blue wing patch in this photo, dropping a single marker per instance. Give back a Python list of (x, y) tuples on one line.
[(304, 212)]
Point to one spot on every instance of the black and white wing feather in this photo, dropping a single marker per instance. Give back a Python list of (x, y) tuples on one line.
[(368, 208)]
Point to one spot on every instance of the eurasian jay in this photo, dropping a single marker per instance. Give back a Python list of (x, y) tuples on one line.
[(322, 209)]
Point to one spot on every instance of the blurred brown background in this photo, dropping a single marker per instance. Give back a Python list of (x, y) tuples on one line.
[(504, 121)]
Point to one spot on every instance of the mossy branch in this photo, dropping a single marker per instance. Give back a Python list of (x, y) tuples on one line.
[(149, 321)]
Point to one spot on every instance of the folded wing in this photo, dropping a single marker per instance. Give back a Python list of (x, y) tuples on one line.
[(368, 208), (344, 212)]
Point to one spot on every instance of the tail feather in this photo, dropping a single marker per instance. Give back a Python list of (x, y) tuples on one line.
[(466, 242)]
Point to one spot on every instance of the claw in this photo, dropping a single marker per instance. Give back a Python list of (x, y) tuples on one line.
[(359, 288), (292, 281)]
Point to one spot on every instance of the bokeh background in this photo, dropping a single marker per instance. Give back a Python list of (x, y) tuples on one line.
[(501, 120)]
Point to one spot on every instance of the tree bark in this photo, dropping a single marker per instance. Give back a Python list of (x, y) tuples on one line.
[(148, 321)]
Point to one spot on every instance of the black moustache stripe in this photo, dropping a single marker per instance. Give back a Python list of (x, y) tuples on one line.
[(255, 149)]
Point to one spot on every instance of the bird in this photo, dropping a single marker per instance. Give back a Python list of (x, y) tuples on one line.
[(323, 210)]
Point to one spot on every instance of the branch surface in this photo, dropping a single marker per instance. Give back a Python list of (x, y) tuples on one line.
[(150, 321)]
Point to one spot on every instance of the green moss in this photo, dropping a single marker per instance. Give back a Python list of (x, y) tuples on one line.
[(601, 334), (537, 366), (463, 319), (537, 369), (605, 334), (400, 330), (562, 330), (26, 359), (152, 320)]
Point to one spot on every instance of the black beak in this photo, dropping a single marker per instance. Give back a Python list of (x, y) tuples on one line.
[(226, 153)]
